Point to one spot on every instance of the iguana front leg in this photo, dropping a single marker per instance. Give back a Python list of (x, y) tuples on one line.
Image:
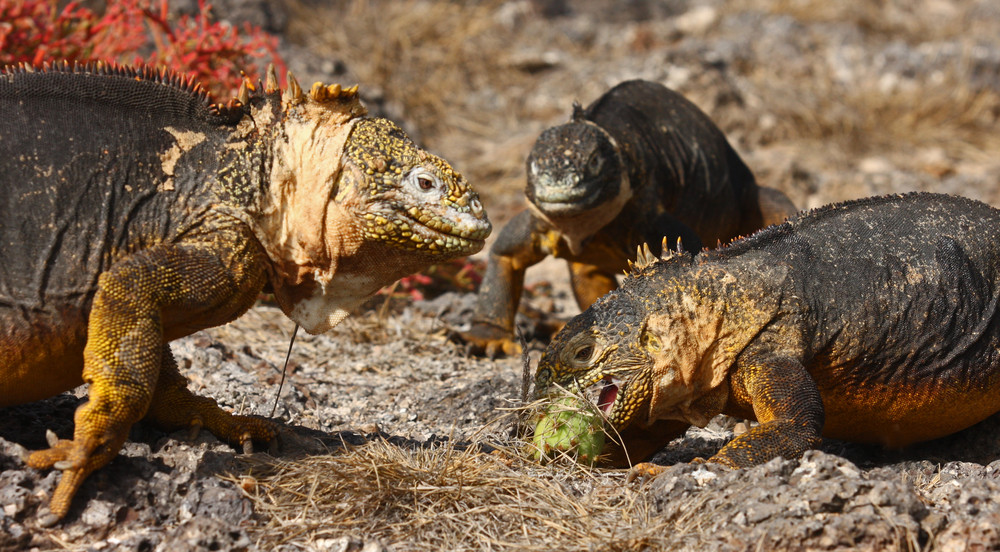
[(143, 301), (517, 247), (785, 400)]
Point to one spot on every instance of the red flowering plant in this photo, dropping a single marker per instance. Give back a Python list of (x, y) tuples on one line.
[(135, 32), (462, 274)]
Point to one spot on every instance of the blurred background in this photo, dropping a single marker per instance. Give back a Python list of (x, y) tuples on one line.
[(824, 100)]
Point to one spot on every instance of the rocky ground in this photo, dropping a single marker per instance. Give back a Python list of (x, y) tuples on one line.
[(826, 101)]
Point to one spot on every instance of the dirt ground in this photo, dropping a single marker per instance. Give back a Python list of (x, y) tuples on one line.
[(394, 439)]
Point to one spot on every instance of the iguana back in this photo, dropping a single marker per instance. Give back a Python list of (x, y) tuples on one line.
[(87, 162)]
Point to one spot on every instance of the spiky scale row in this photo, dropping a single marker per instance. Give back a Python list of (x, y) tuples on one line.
[(162, 76), (231, 110), (644, 256)]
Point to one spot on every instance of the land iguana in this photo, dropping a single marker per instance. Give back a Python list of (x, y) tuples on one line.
[(136, 211), (640, 163), (874, 320)]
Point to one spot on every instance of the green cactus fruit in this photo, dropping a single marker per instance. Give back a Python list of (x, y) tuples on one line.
[(569, 425)]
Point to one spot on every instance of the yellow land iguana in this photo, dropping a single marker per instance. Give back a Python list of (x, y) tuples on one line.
[(135, 212), (875, 320)]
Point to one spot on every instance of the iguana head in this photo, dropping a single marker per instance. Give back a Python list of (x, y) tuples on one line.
[(577, 179), (412, 200), (354, 205), (645, 351)]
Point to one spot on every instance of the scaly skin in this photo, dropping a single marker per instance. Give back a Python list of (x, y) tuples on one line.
[(638, 164), (136, 212), (872, 321)]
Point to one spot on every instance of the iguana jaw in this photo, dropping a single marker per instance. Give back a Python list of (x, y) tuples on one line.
[(577, 226)]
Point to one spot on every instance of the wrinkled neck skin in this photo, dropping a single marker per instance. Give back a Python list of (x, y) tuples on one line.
[(575, 229), (708, 322), (305, 232)]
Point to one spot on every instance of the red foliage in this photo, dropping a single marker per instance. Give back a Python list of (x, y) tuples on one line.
[(463, 274), (135, 32)]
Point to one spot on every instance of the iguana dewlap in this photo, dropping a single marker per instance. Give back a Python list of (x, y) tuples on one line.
[(136, 212), (873, 320)]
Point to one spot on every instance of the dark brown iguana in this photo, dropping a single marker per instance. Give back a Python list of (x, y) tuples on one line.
[(873, 320), (136, 212), (640, 163)]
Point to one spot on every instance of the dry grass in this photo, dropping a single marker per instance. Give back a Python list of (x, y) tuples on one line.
[(867, 118), (434, 59), (910, 20), (939, 106), (445, 499)]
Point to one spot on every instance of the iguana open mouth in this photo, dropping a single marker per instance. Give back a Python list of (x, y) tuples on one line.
[(608, 395)]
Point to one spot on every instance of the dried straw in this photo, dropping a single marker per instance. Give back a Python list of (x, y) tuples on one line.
[(443, 498)]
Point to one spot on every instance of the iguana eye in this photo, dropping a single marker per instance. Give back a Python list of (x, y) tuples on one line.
[(595, 163), (581, 351), (422, 180), (582, 355)]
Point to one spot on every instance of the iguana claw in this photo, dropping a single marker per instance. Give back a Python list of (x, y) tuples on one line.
[(51, 438)]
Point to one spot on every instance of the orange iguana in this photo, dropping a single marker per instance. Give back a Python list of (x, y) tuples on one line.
[(136, 212), (875, 320)]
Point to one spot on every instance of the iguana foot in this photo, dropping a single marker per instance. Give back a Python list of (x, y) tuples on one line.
[(644, 471), (489, 341), (76, 458), (181, 409), (175, 407)]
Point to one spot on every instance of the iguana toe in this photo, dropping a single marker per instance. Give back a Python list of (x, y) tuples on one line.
[(489, 341), (76, 459), (644, 471)]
